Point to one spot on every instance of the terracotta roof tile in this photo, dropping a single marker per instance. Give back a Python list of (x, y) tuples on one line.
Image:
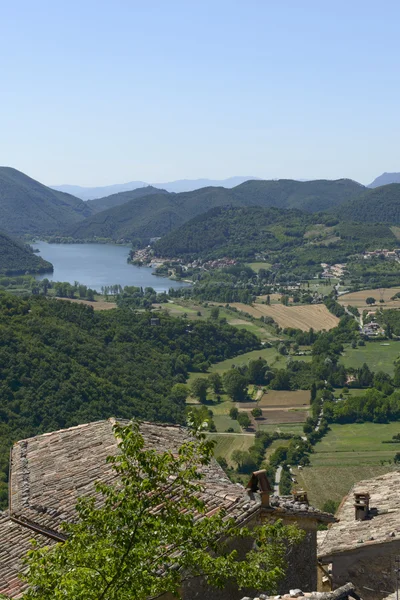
[(383, 526)]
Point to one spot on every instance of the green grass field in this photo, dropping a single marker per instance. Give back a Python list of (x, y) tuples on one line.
[(377, 357), (227, 443), (347, 454), (256, 266), (271, 355)]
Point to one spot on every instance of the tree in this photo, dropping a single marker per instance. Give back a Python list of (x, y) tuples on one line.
[(198, 388), (282, 349), (215, 381), (245, 462), (370, 300), (233, 413), (235, 385), (214, 313), (140, 540), (244, 420), (397, 458), (256, 371), (313, 392), (256, 412), (330, 506)]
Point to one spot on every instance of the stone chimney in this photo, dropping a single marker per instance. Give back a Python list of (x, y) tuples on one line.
[(301, 496), (361, 505), (259, 483)]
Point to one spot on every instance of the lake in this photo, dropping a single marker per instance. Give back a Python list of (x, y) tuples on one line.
[(97, 265)]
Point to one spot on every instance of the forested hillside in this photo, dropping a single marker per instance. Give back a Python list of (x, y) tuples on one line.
[(28, 207), (157, 214), (18, 258), (284, 234), (378, 205), (121, 198), (62, 364)]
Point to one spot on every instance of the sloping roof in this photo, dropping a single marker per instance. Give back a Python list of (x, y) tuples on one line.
[(15, 541), (382, 527), (50, 471), (346, 592)]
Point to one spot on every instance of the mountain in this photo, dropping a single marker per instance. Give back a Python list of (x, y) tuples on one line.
[(19, 258), (287, 236), (157, 214), (385, 179), (90, 193), (116, 199), (378, 205), (181, 185), (28, 207)]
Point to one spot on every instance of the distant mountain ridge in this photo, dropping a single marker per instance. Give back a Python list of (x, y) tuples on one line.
[(155, 215), (29, 207), (180, 185), (385, 179)]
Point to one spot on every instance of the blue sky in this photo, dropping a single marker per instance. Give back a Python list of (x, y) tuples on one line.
[(100, 92)]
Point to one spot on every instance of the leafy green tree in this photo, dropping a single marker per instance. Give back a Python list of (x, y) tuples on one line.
[(313, 392), (215, 381), (370, 300), (330, 506), (235, 385), (142, 537), (256, 371), (244, 420), (256, 412), (244, 460), (214, 313), (233, 413), (199, 387)]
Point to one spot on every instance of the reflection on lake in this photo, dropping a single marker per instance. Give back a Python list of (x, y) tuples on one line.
[(97, 265)]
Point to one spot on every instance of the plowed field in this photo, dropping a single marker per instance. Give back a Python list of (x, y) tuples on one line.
[(303, 317)]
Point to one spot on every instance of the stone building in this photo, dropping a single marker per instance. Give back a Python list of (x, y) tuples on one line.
[(49, 472), (345, 592), (362, 547)]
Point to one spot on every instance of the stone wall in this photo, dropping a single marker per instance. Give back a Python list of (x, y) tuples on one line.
[(370, 568)]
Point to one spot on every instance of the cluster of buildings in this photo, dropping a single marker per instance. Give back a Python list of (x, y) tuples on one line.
[(333, 271), (388, 254), (372, 329), (49, 472)]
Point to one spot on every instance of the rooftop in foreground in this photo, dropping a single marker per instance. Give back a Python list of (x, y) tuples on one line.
[(381, 526), (49, 472)]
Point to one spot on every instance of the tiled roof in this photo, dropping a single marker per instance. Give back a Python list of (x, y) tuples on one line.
[(50, 471), (346, 592), (14, 543), (383, 526)]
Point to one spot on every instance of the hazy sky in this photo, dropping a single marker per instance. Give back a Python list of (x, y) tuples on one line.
[(97, 92)]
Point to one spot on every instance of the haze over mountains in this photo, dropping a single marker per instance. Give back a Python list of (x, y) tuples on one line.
[(181, 185), (154, 215), (385, 179), (29, 208)]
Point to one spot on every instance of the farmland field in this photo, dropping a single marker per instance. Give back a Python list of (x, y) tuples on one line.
[(271, 355), (302, 317), (358, 298), (281, 399), (99, 305), (377, 357), (227, 443), (348, 453)]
